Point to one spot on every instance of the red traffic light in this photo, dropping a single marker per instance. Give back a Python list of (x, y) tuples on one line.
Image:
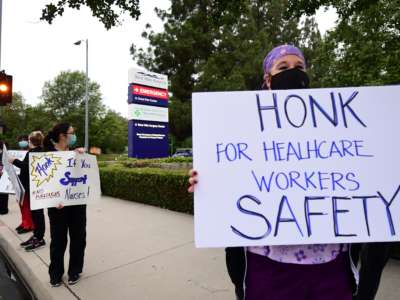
[(5, 88)]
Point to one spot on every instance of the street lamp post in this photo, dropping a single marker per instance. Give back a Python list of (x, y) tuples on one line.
[(86, 94)]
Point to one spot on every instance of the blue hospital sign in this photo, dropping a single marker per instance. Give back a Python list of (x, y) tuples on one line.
[(147, 95), (147, 139), (147, 114)]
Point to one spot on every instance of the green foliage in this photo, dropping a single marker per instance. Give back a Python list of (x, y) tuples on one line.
[(217, 46), (13, 117), (187, 143), (345, 8), (64, 98), (21, 119), (110, 132), (180, 115), (202, 53), (107, 11), (111, 157), (162, 188), (65, 95), (63, 101), (178, 163), (363, 49)]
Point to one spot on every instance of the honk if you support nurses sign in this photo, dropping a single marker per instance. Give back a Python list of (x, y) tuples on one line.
[(66, 178), (297, 166)]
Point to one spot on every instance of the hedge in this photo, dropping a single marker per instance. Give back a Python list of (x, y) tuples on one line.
[(157, 160), (158, 187)]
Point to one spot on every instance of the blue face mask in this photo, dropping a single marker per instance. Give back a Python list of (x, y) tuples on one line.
[(23, 144), (71, 139)]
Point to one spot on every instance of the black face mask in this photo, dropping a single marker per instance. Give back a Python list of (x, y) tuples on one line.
[(290, 79)]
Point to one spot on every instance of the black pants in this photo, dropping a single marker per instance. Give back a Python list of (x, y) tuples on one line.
[(70, 219), (236, 265), (38, 222), (374, 257), (3, 204)]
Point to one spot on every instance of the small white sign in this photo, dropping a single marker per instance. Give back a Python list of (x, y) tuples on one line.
[(12, 176), (148, 78), (63, 177), (291, 167), (5, 183), (147, 113)]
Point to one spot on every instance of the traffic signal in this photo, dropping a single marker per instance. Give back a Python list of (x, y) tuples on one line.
[(5, 88)]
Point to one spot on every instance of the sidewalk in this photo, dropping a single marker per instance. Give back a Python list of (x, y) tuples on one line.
[(133, 251), (141, 252)]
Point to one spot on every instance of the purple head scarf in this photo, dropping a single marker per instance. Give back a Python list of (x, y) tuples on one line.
[(279, 52)]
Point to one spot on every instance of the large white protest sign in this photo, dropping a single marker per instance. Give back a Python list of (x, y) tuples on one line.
[(297, 166), (66, 178), (5, 183), (10, 173)]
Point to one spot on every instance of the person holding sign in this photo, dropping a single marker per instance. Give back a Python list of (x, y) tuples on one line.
[(64, 220), (23, 142), (3, 196), (373, 258), (301, 272), (26, 218), (34, 217)]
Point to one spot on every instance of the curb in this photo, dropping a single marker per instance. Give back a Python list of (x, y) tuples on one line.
[(31, 270)]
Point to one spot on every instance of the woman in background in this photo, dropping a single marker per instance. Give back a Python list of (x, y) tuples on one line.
[(3, 197), (35, 140), (64, 220)]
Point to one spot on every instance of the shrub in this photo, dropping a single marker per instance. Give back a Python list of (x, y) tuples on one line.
[(158, 187), (182, 163)]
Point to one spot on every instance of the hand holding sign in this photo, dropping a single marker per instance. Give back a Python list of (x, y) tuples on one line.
[(61, 179), (80, 150), (192, 180), (296, 167)]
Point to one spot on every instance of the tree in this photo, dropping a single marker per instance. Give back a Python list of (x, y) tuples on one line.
[(110, 133), (64, 98), (107, 11), (21, 119), (345, 8), (38, 118), (63, 102), (65, 95), (203, 53), (363, 49), (206, 48), (13, 116), (236, 62), (180, 115)]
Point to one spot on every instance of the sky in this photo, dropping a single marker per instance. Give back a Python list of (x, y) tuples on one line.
[(35, 52)]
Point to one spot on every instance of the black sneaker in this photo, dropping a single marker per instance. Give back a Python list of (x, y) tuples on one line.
[(73, 279), (55, 282), (28, 242), (24, 230), (35, 244)]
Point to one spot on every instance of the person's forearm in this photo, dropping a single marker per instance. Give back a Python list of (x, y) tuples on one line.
[(18, 163)]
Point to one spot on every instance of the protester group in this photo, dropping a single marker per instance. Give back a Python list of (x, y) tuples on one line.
[(64, 221), (301, 272)]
